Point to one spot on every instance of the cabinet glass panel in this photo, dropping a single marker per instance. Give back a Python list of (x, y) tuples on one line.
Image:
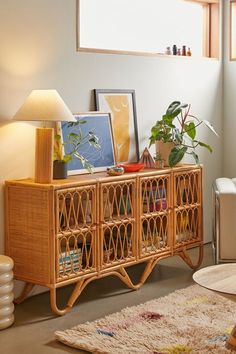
[(74, 209), (117, 243), (187, 225), (117, 201), (154, 234), (154, 217), (75, 228), (154, 195), (75, 255), (187, 188)]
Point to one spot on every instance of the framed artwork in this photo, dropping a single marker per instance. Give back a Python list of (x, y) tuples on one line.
[(122, 107), (100, 158)]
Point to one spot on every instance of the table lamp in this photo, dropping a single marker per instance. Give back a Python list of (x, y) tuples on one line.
[(44, 105)]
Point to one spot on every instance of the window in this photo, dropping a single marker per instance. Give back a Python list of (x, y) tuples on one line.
[(233, 30), (147, 26)]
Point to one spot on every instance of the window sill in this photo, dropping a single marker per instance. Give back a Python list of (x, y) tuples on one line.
[(149, 54)]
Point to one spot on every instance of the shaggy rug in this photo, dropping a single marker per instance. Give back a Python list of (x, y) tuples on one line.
[(192, 320)]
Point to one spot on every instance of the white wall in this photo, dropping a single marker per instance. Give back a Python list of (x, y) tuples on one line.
[(38, 51), (229, 117)]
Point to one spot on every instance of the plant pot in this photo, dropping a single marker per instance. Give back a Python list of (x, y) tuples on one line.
[(164, 149), (59, 169)]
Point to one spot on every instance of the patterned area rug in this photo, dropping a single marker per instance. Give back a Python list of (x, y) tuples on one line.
[(192, 320)]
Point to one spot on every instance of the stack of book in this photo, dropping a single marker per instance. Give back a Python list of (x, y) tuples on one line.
[(154, 199), (70, 261)]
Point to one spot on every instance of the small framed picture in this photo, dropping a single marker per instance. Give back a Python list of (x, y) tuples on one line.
[(99, 158), (122, 106)]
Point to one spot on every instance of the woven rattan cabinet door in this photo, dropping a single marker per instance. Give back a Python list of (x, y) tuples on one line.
[(117, 222), (75, 232), (155, 211), (187, 207)]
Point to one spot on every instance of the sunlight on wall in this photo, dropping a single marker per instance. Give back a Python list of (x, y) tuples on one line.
[(17, 143), (17, 158), (23, 52), (21, 63), (24, 58)]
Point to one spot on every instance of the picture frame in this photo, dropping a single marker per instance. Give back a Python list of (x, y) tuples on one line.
[(121, 104), (100, 124)]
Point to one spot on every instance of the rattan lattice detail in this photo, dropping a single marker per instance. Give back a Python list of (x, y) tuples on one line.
[(75, 209), (154, 194), (187, 189), (117, 243), (75, 227), (187, 221), (75, 254), (154, 234), (118, 201)]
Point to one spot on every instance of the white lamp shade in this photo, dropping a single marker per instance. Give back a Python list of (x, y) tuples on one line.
[(44, 105)]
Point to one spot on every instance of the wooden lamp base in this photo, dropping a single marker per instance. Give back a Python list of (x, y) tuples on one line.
[(44, 155)]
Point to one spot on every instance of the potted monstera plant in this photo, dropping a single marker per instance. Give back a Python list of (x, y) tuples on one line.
[(73, 141), (175, 134)]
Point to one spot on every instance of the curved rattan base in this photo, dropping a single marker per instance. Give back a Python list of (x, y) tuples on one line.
[(120, 272), (25, 292), (183, 253)]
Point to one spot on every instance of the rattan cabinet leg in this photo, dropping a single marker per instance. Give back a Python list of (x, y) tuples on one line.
[(53, 302), (185, 256), (79, 287), (126, 279), (123, 275), (148, 269), (25, 292)]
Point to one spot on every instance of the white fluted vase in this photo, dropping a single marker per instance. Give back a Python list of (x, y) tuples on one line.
[(6, 292)]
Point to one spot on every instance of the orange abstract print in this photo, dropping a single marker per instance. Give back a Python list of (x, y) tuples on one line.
[(119, 106)]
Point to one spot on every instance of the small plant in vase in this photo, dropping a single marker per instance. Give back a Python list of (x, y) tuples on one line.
[(159, 161), (73, 140), (176, 134)]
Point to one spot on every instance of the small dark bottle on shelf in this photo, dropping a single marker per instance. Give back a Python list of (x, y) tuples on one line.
[(184, 50), (174, 50), (189, 53)]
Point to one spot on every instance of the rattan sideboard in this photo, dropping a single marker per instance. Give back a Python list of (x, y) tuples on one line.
[(91, 226)]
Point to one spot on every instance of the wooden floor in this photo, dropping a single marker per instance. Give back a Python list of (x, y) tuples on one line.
[(34, 327)]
